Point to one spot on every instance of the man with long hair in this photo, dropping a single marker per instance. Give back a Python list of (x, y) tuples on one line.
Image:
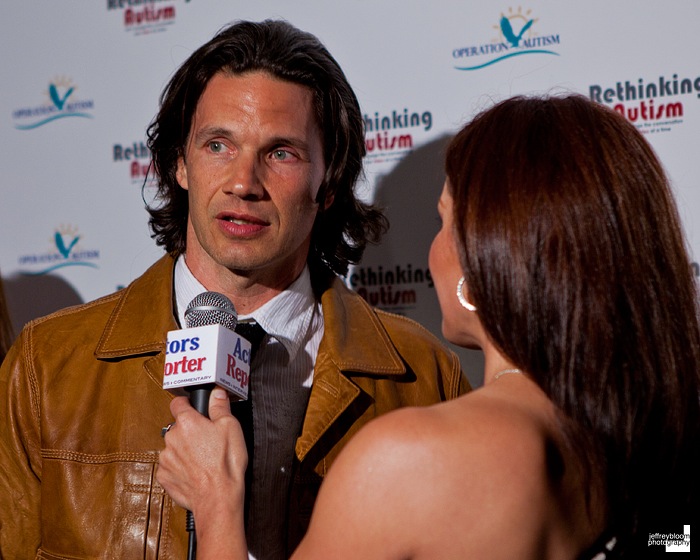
[(257, 147)]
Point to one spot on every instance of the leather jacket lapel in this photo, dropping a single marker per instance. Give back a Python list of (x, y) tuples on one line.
[(130, 330), (348, 322)]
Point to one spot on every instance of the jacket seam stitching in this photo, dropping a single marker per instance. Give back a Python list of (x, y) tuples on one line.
[(408, 320), (111, 322), (31, 374), (76, 456), (456, 375)]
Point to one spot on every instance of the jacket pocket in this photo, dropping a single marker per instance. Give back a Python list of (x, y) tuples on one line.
[(102, 506)]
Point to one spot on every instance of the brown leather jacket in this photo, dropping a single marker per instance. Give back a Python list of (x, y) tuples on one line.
[(82, 408)]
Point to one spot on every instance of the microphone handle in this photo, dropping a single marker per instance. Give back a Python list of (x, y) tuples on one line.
[(199, 397)]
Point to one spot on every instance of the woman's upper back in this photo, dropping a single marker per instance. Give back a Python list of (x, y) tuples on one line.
[(484, 476)]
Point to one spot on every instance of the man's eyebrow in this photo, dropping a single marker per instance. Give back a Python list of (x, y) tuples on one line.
[(210, 131), (292, 141)]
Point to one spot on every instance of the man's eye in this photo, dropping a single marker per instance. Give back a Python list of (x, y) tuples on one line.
[(280, 154), (216, 147)]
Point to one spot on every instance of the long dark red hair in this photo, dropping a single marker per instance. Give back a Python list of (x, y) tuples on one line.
[(574, 256)]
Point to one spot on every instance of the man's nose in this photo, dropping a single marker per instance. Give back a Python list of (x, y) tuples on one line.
[(245, 180)]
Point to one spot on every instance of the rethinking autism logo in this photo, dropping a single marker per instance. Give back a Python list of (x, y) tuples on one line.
[(65, 250), (652, 105), (516, 36), (61, 102), (389, 136), (144, 17)]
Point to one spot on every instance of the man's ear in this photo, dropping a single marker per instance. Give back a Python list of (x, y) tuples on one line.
[(325, 197), (181, 173), (330, 197)]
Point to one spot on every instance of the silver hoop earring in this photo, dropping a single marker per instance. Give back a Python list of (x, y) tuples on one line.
[(460, 296)]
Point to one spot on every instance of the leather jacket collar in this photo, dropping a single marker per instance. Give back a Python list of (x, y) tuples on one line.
[(345, 315)]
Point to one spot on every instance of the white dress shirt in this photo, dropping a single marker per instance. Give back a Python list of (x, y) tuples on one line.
[(283, 370)]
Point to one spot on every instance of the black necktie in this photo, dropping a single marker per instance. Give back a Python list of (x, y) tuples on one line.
[(243, 410)]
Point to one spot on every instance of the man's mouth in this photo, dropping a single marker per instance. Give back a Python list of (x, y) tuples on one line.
[(241, 219), (237, 221), (242, 225)]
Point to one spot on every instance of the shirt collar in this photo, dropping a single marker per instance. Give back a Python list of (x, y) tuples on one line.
[(286, 317)]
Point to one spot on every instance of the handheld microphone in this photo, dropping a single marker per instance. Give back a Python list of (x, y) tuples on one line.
[(207, 352)]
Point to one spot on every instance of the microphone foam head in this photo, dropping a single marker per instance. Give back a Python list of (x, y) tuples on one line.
[(211, 308)]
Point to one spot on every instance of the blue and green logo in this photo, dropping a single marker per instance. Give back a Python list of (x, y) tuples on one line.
[(516, 36), (61, 102), (66, 250)]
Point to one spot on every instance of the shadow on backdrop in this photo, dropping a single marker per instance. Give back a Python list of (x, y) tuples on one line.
[(409, 195), (29, 297)]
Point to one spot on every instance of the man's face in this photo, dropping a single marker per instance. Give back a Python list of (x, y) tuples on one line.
[(253, 166)]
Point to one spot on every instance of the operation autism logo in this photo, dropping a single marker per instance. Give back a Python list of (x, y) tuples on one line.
[(517, 36), (143, 17), (61, 102), (65, 251)]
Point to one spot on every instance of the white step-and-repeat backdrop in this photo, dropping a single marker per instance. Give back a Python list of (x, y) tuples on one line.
[(81, 81)]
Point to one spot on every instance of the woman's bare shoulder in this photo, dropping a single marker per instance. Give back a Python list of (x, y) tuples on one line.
[(450, 475)]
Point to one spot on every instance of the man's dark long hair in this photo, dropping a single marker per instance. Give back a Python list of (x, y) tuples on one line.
[(342, 231), (574, 256)]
